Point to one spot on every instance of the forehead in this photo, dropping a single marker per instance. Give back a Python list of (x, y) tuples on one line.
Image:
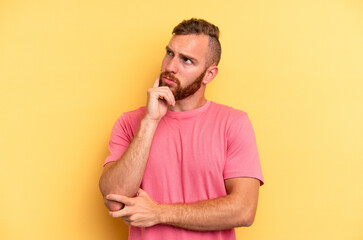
[(190, 45)]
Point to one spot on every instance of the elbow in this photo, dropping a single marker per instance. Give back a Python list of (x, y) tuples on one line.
[(102, 187), (247, 222), (245, 218), (106, 183), (111, 205), (106, 187)]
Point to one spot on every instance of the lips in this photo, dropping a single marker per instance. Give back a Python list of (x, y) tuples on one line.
[(168, 80)]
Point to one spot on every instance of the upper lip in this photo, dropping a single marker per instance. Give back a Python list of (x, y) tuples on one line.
[(169, 79)]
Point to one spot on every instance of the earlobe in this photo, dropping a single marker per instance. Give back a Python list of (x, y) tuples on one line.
[(211, 74)]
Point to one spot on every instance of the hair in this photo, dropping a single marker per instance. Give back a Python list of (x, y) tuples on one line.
[(200, 26)]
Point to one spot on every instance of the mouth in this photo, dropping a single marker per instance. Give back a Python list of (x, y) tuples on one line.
[(169, 81)]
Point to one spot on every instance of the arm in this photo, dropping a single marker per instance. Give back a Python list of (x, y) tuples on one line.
[(236, 209), (124, 176)]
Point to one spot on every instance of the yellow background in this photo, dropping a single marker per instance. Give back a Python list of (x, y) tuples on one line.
[(68, 69)]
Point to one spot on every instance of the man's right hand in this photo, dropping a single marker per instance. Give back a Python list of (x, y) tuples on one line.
[(125, 175), (158, 99)]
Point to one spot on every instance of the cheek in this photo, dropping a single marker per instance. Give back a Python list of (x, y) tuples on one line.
[(190, 75), (164, 64)]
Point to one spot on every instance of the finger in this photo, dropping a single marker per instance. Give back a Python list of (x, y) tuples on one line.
[(127, 222), (113, 205), (156, 83), (171, 99), (168, 100), (124, 213), (119, 198), (140, 192), (117, 214), (171, 96), (163, 93)]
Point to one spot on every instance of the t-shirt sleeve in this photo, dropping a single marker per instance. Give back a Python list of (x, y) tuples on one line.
[(120, 139), (242, 155)]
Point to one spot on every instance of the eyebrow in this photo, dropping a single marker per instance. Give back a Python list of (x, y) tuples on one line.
[(182, 55)]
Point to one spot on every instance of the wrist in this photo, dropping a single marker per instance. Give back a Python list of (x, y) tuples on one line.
[(147, 125), (162, 214), (149, 121), (147, 128)]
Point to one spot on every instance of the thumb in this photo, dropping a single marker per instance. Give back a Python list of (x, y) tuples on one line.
[(119, 198), (141, 192), (156, 83)]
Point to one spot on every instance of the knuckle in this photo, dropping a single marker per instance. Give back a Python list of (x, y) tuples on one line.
[(136, 224), (127, 222)]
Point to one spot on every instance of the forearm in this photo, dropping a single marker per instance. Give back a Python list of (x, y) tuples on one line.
[(124, 176), (215, 214)]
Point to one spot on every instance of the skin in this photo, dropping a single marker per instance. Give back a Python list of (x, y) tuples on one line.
[(185, 59)]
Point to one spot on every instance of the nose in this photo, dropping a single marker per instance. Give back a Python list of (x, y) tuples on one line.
[(172, 66)]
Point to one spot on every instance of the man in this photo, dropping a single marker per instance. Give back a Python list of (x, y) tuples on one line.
[(183, 167)]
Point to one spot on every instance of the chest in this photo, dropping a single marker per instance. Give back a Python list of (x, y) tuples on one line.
[(192, 146), (186, 161)]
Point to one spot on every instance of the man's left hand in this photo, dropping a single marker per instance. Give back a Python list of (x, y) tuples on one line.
[(140, 211)]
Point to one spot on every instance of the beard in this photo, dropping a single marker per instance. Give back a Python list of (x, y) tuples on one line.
[(178, 91)]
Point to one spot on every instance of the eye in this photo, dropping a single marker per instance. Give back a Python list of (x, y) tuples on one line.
[(170, 53), (187, 60)]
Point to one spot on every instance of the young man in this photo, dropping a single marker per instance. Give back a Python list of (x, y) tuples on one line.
[(183, 167)]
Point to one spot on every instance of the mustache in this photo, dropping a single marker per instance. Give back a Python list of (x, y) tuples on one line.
[(169, 76)]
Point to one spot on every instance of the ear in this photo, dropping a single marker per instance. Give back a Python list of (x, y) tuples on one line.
[(210, 74)]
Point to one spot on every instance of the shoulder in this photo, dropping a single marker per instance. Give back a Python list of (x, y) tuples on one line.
[(234, 121), (135, 114), (132, 117), (227, 112)]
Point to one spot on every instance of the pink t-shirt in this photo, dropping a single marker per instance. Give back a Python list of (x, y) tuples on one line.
[(192, 153)]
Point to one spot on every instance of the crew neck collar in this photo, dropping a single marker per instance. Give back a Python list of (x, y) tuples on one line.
[(190, 113)]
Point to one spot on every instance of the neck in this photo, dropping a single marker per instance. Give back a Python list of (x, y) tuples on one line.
[(188, 103)]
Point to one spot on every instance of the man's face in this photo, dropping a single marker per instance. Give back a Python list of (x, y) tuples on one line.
[(184, 65)]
